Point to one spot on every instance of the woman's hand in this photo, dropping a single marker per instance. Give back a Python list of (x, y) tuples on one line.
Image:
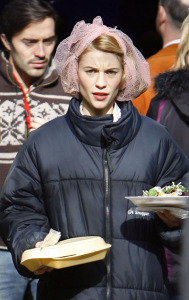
[(44, 269), (36, 122), (169, 219)]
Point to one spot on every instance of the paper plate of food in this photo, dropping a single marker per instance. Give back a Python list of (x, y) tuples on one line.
[(176, 211), (172, 197), (67, 253), (175, 201)]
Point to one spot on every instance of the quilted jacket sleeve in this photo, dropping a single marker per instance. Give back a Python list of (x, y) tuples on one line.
[(173, 165), (23, 219)]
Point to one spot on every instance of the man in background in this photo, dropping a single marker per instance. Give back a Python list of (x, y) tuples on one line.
[(169, 19), (30, 95)]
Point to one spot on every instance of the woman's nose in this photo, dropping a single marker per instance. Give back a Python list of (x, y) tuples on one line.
[(101, 80)]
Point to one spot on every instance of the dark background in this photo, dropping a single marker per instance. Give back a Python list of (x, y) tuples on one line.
[(135, 17)]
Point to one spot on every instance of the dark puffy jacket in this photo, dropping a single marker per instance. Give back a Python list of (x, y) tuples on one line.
[(72, 175), (170, 106)]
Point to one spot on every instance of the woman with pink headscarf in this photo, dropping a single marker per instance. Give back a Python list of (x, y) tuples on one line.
[(74, 174)]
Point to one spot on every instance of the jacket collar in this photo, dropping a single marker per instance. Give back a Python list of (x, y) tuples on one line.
[(101, 131), (170, 84), (173, 86)]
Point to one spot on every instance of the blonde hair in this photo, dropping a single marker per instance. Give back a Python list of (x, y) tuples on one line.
[(182, 54), (106, 43)]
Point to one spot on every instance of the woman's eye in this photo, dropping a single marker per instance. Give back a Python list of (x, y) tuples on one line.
[(111, 72), (91, 71)]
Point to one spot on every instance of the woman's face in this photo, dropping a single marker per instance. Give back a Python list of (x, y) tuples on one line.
[(100, 75)]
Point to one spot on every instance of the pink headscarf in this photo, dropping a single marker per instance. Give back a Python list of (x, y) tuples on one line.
[(137, 75)]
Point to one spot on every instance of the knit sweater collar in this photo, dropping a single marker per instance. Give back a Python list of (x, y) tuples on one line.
[(6, 71)]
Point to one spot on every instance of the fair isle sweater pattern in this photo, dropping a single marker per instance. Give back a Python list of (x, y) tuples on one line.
[(13, 114)]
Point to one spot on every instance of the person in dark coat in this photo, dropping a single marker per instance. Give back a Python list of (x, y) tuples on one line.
[(170, 107), (74, 175)]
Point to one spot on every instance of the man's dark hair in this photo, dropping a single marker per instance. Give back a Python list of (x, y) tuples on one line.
[(18, 14), (177, 11)]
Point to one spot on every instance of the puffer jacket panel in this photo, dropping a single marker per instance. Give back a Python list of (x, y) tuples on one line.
[(66, 192)]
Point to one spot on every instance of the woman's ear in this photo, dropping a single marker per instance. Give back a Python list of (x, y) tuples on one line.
[(5, 41)]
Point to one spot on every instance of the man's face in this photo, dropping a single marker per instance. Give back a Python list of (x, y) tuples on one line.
[(30, 50)]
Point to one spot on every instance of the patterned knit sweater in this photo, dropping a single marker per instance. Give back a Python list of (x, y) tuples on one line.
[(46, 100)]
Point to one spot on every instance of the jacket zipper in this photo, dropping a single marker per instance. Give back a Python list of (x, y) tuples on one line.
[(107, 171)]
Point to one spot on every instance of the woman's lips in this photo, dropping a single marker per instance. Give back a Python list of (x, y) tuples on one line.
[(100, 96)]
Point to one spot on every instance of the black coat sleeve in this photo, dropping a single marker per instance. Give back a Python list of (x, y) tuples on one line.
[(23, 219)]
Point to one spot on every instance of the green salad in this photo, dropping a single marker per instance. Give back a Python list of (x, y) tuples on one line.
[(168, 190)]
